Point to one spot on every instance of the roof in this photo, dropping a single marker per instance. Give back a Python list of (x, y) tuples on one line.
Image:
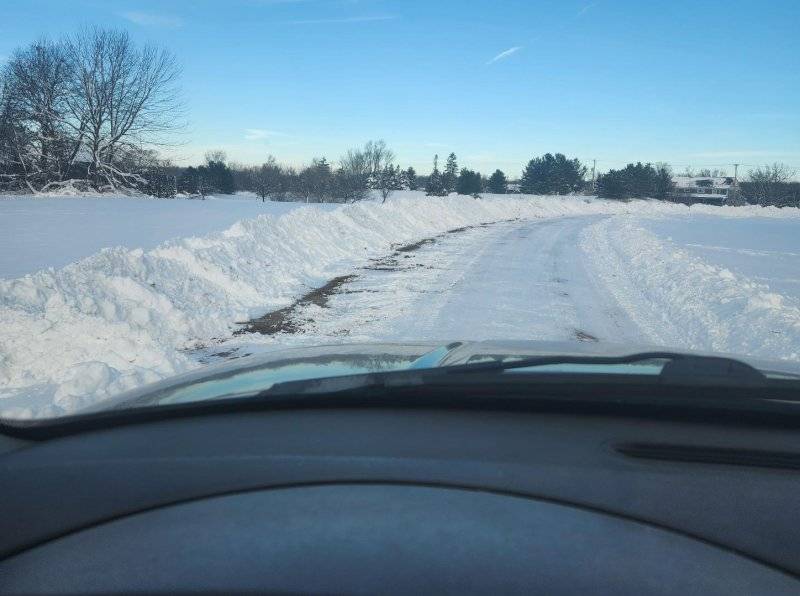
[(692, 181)]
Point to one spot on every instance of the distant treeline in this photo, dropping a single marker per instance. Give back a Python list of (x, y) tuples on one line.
[(766, 185), (359, 171), (86, 112), (550, 174)]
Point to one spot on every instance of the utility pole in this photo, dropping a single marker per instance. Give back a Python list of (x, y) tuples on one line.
[(736, 182), (594, 167)]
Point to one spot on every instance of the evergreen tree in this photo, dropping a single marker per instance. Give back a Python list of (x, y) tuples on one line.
[(195, 181), (612, 185), (411, 179), (450, 175), (217, 174), (469, 183), (498, 183), (316, 181), (663, 184), (435, 186), (552, 175), (635, 181), (389, 180)]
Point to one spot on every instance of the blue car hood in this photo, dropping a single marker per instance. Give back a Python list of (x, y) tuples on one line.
[(247, 376)]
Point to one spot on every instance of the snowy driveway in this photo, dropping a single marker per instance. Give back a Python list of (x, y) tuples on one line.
[(607, 278), (524, 279), (519, 280)]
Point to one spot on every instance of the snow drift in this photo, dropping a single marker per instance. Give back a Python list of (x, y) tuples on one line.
[(680, 300)]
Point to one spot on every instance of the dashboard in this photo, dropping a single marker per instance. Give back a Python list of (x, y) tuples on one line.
[(366, 500)]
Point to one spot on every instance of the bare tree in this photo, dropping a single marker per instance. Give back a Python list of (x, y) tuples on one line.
[(122, 98), (378, 157), (216, 155), (353, 175), (362, 169), (36, 84), (768, 181), (268, 179)]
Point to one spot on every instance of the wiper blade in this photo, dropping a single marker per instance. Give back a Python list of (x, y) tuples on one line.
[(679, 367)]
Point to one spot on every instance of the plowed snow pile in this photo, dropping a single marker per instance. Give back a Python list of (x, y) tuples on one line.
[(124, 317)]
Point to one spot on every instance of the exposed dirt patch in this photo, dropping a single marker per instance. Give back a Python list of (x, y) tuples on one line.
[(415, 245), (285, 320), (391, 263), (289, 318)]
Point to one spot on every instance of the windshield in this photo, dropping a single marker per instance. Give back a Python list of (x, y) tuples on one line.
[(199, 203)]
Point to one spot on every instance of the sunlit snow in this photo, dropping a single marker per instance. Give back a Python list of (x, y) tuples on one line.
[(576, 269)]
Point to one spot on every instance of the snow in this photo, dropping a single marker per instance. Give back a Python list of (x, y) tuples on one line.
[(679, 299), (763, 250), (53, 231), (515, 280), (554, 268)]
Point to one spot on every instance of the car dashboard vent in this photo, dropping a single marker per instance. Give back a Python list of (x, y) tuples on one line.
[(711, 455)]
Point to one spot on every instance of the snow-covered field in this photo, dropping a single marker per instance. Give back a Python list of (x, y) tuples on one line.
[(547, 268), (53, 231)]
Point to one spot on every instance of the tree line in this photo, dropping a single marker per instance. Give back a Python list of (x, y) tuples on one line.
[(89, 111), (764, 185), (372, 168), (358, 172)]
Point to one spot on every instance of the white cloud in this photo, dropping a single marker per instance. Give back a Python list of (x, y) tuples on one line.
[(366, 19), (147, 19), (586, 8), (259, 134), (504, 54)]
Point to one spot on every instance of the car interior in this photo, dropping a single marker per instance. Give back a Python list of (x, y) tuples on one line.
[(400, 497)]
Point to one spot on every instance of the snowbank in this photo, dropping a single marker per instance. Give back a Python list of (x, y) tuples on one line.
[(122, 317), (679, 299), (37, 232)]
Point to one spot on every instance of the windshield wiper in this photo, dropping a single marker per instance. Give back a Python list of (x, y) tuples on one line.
[(678, 368)]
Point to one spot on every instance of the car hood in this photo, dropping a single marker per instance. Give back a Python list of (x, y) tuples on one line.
[(251, 374)]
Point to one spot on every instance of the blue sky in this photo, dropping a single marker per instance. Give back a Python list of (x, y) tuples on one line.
[(705, 83)]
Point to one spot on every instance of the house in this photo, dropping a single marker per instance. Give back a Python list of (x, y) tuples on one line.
[(702, 189)]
